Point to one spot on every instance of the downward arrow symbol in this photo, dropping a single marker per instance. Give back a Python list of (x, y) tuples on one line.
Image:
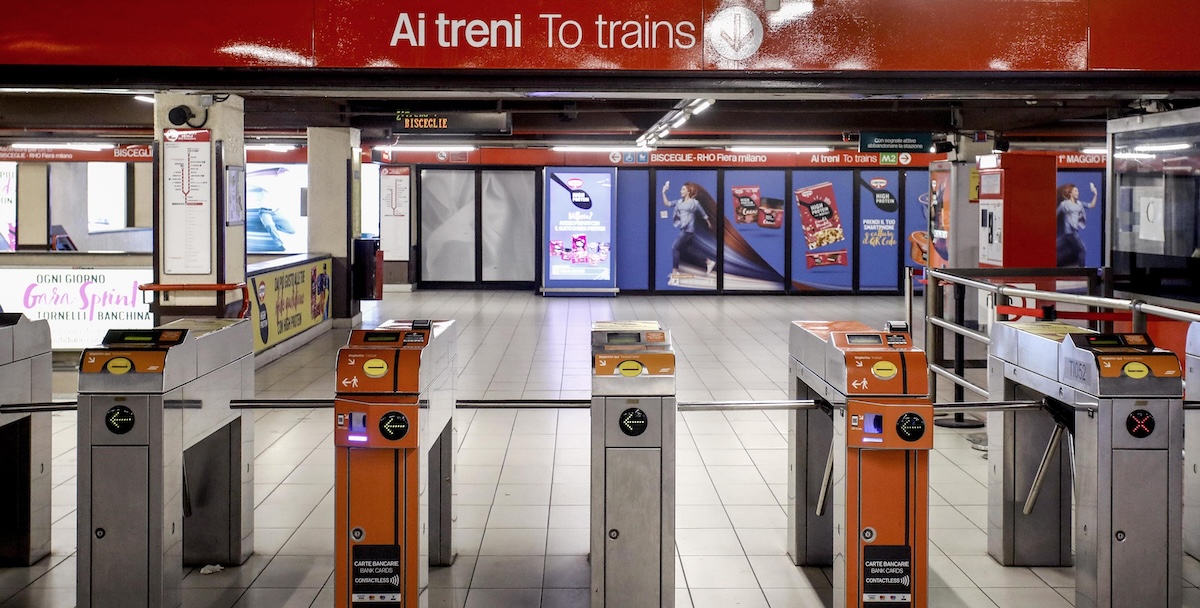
[(738, 39)]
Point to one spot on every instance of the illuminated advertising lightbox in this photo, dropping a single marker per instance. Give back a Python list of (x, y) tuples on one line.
[(81, 305), (578, 247)]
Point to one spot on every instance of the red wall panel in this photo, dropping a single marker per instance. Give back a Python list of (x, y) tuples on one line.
[(1139, 35)]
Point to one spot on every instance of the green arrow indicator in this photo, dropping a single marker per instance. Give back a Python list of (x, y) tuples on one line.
[(119, 419), (393, 426), (633, 422)]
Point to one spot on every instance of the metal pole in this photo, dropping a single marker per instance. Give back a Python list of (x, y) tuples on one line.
[(908, 295), (960, 420), (1040, 478)]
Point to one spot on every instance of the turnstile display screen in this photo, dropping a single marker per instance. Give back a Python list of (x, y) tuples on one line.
[(1104, 340), (377, 336), (146, 337), (623, 338), (864, 339)]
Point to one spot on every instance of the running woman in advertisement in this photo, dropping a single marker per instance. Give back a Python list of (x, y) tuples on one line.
[(1072, 219), (687, 207)]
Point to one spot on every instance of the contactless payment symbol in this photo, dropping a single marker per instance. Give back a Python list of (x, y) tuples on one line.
[(119, 419), (1140, 423), (119, 365), (1136, 370), (393, 426), (630, 368), (375, 368), (633, 422)]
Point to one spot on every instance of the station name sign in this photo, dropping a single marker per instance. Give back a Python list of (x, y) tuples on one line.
[(489, 123)]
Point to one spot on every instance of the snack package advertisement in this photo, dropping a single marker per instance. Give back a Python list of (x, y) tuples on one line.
[(822, 231), (754, 240), (578, 251)]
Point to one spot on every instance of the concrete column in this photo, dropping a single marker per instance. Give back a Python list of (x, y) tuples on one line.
[(143, 195), (224, 117), (334, 168), (33, 206)]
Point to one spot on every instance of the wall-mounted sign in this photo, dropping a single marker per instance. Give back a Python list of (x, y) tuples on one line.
[(482, 123), (578, 248), (187, 202), (288, 301), (395, 188), (80, 305), (126, 153), (894, 142)]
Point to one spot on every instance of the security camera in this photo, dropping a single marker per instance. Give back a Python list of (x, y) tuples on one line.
[(179, 115)]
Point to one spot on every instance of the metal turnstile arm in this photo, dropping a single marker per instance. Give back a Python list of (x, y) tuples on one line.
[(1040, 477), (826, 481)]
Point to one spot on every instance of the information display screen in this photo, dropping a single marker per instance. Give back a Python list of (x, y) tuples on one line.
[(623, 338), (578, 247), (382, 337), (1105, 341), (864, 339)]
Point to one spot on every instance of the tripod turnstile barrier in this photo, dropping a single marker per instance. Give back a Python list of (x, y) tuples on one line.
[(395, 459), (1121, 400), (165, 466), (875, 386), (25, 377), (633, 466)]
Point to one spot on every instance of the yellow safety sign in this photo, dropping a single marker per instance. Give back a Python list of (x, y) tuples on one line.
[(375, 368), (119, 365)]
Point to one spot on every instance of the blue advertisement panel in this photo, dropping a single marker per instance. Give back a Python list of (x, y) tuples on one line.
[(754, 238), (879, 230), (916, 219), (685, 242), (823, 230), (578, 245), (633, 230), (1079, 200)]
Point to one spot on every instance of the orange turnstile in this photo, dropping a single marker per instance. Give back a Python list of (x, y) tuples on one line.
[(394, 439), (876, 386)]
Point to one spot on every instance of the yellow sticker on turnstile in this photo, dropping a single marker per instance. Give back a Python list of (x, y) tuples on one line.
[(630, 368), (375, 368), (1136, 370), (119, 365), (884, 370)]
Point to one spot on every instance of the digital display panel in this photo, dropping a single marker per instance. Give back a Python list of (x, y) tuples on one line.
[(1104, 341), (864, 339), (873, 424), (382, 337), (623, 338), (578, 237), (136, 338)]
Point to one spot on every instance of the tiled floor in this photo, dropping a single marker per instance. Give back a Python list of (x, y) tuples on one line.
[(521, 484)]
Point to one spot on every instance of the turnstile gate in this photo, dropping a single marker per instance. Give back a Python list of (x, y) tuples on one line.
[(633, 466), (1191, 445), (165, 466), (395, 459), (25, 454), (1122, 399), (874, 385)]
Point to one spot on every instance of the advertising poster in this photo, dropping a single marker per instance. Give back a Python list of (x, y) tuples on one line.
[(1079, 216), (187, 202), (287, 301), (939, 210), (685, 227), (395, 187), (754, 224), (915, 246), (8, 206), (274, 195), (80, 305), (578, 248), (823, 230), (879, 230)]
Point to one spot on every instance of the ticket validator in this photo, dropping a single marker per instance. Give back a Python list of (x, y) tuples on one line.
[(395, 448), (1121, 399), (166, 468), (633, 465), (874, 385), (25, 377)]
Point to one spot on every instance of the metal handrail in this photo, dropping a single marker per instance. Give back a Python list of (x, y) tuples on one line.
[(963, 331)]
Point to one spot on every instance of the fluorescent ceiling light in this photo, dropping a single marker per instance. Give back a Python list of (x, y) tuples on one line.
[(145, 98), (429, 148), (1132, 155), (679, 123), (1161, 147), (702, 106), (599, 148), (1094, 151), (80, 147), (664, 132), (270, 147), (796, 150)]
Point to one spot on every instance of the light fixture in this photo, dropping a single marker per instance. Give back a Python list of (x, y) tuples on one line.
[(679, 123), (640, 148), (1094, 151), (664, 132), (270, 148), (72, 146), (780, 149), (427, 148), (1132, 155), (701, 105), (1162, 147), (144, 98)]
